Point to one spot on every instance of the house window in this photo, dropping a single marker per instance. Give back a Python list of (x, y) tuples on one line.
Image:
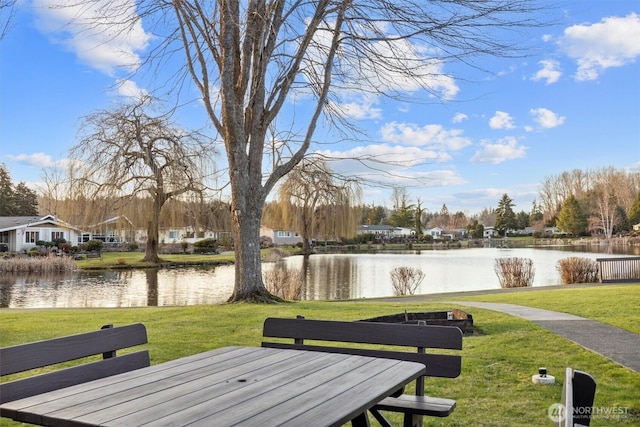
[(32, 236), (174, 235), (283, 234), (4, 237), (57, 235)]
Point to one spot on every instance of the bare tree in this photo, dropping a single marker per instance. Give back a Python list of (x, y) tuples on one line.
[(254, 61), (7, 11), (128, 154), (311, 188)]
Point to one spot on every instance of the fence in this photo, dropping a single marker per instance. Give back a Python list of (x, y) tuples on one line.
[(618, 269)]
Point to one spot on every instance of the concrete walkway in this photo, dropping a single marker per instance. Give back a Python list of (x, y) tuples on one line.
[(619, 345)]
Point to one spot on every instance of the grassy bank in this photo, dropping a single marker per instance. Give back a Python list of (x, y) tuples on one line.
[(495, 387)]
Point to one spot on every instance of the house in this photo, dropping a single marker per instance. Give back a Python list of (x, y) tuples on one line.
[(21, 233), (435, 232), (381, 232), (111, 231), (489, 232), (280, 237), (636, 227)]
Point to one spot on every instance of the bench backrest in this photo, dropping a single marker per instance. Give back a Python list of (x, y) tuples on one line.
[(39, 354), (578, 393), (418, 337)]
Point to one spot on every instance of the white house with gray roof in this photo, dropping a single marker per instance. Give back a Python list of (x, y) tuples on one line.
[(22, 232)]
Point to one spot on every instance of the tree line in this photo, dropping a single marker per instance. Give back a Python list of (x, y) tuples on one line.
[(16, 199)]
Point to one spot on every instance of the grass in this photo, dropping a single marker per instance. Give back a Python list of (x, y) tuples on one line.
[(617, 305), (111, 260), (495, 387)]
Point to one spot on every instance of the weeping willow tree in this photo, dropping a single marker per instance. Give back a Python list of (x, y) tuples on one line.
[(128, 153), (316, 203)]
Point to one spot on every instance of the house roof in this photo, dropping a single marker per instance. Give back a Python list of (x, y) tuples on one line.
[(8, 223), (379, 227)]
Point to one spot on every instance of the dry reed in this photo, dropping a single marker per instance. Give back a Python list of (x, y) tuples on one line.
[(514, 272), (49, 264), (284, 283), (405, 280), (577, 270)]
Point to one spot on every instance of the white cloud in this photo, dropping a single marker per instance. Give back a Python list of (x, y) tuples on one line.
[(434, 136), (39, 160), (546, 118), (360, 110), (501, 120), (388, 157), (129, 89), (88, 30), (392, 66), (612, 42), (550, 71), (459, 117), (507, 149)]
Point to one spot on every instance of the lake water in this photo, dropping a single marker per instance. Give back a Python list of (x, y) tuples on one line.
[(328, 277)]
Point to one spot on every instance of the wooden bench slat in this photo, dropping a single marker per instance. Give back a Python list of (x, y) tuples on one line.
[(43, 383), (39, 354), (34, 355), (365, 333), (420, 405)]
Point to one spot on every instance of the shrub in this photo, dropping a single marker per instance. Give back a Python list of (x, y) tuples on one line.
[(205, 246), (406, 280), (133, 247), (514, 272), (577, 270), (274, 255), (95, 245), (284, 283), (58, 242)]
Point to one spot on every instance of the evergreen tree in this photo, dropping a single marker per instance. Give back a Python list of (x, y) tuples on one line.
[(621, 221), (7, 193), (26, 201), (572, 218), (505, 217), (16, 200), (634, 211)]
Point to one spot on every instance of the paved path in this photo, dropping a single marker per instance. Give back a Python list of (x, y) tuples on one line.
[(619, 345)]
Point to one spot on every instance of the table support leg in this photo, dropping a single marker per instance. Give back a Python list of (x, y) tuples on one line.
[(361, 420)]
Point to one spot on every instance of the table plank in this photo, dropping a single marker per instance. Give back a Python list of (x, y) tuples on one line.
[(340, 399), (206, 392), (259, 396), (228, 386)]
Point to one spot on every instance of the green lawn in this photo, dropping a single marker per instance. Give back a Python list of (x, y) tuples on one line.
[(495, 387)]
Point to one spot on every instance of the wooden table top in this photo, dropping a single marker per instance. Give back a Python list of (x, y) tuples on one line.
[(249, 386)]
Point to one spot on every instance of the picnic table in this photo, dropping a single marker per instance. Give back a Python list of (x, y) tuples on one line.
[(248, 386)]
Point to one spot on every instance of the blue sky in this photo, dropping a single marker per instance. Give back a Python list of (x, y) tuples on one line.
[(572, 103)]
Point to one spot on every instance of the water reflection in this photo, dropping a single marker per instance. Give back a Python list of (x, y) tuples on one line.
[(326, 277)]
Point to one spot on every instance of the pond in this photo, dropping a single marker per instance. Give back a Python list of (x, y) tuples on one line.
[(328, 277)]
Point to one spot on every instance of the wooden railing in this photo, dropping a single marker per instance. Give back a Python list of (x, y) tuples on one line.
[(618, 269)]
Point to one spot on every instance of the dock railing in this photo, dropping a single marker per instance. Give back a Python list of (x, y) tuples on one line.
[(625, 269)]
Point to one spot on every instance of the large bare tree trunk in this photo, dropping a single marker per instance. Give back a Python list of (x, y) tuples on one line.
[(246, 210)]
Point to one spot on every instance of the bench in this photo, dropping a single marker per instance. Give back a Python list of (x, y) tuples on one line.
[(578, 393), (420, 337), (105, 342)]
